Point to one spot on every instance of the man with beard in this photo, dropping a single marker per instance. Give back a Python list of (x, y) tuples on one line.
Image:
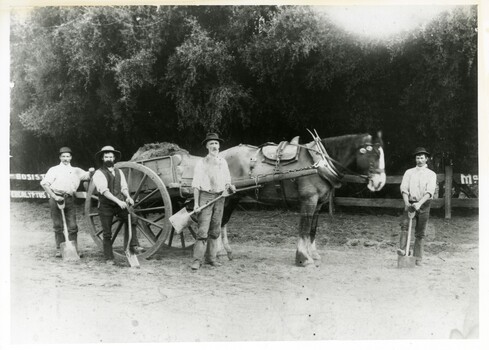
[(417, 188), (211, 179), (60, 183), (114, 200)]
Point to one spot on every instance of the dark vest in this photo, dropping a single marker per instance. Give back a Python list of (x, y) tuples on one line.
[(114, 185)]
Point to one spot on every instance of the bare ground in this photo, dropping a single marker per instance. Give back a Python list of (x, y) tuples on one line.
[(357, 293)]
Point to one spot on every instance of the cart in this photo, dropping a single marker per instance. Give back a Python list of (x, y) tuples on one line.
[(160, 187)]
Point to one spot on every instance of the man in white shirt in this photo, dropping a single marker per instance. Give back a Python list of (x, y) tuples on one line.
[(114, 200), (417, 188), (211, 179), (60, 183)]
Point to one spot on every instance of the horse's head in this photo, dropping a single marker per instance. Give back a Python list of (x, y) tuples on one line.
[(370, 162)]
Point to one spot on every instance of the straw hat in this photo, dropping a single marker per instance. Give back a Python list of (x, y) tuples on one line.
[(108, 149)]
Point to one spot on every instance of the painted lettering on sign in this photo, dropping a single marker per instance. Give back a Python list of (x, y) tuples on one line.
[(27, 176), (28, 194), (469, 179), (39, 194)]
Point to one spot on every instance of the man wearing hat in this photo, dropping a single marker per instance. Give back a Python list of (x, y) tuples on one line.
[(417, 188), (211, 179), (60, 183), (114, 200)]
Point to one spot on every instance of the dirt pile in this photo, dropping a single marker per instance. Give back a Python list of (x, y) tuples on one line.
[(158, 149)]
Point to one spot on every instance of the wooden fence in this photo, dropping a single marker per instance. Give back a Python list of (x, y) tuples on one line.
[(446, 180)]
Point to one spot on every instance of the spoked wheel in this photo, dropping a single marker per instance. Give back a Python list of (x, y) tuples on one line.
[(182, 240), (152, 206)]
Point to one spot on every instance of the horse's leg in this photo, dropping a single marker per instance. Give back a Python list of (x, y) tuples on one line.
[(303, 254), (227, 248), (314, 253), (223, 247)]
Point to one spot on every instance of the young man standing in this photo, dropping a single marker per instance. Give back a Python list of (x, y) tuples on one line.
[(211, 179), (114, 200), (417, 188), (60, 183)]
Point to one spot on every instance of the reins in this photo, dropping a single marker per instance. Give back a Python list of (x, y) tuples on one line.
[(336, 163)]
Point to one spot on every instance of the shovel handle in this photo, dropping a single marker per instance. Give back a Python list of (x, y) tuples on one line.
[(408, 241), (129, 231), (221, 196), (65, 227)]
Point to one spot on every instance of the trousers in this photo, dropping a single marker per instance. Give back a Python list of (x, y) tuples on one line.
[(420, 222), (107, 214), (210, 218), (70, 216)]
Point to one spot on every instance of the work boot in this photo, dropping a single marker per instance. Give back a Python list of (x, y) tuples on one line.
[(418, 250), (58, 253), (137, 250), (211, 256), (198, 254), (196, 265), (80, 254), (108, 254)]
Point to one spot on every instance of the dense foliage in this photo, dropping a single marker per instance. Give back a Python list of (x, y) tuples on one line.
[(126, 76)]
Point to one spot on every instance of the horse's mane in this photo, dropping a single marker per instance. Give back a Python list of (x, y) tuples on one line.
[(338, 145), (158, 149)]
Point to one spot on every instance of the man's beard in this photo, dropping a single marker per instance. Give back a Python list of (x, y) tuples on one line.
[(108, 164)]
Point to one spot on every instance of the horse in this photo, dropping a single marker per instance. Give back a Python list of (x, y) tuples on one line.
[(359, 154)]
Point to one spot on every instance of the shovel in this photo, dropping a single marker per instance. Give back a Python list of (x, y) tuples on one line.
[(131, 257), (406, 260), (68, 248), (181, 219)]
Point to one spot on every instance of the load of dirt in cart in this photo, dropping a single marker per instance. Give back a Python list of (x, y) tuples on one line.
[(158, 149)]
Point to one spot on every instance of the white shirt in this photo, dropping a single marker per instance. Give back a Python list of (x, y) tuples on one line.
[(101, 184), (211, 174), (418, 181), (64, 178)]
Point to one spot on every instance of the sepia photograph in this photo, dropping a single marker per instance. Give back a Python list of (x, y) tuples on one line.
[(244, 174)]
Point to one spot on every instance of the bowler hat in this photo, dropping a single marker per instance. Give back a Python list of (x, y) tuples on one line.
[(421, 150), (108, 149), (211, 137), (65, 150)]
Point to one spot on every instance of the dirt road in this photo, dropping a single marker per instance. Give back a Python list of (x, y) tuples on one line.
[(357, 293)]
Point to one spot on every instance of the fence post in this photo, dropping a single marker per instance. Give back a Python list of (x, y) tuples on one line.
[(331, 202), (448, 191)]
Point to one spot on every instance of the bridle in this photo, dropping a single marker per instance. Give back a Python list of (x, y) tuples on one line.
[(366, 149)]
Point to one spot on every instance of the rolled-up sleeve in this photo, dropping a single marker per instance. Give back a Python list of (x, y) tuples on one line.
[(48, 178), (431, 183), (405, 183), (198, 175), (82, 174), (100, 182), (123, 182), (227, 174)]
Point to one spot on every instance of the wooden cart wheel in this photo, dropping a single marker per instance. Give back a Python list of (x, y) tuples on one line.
[(152, 206), (182, 240)]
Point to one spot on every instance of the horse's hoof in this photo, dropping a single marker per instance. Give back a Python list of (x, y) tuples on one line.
[(316, 256), (304, 262), (221, 253), (230, 255)]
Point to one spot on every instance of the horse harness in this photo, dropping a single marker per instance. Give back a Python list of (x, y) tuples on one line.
[(286, 153)]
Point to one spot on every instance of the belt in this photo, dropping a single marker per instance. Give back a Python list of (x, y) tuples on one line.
[(213, 193), (65, 195)]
